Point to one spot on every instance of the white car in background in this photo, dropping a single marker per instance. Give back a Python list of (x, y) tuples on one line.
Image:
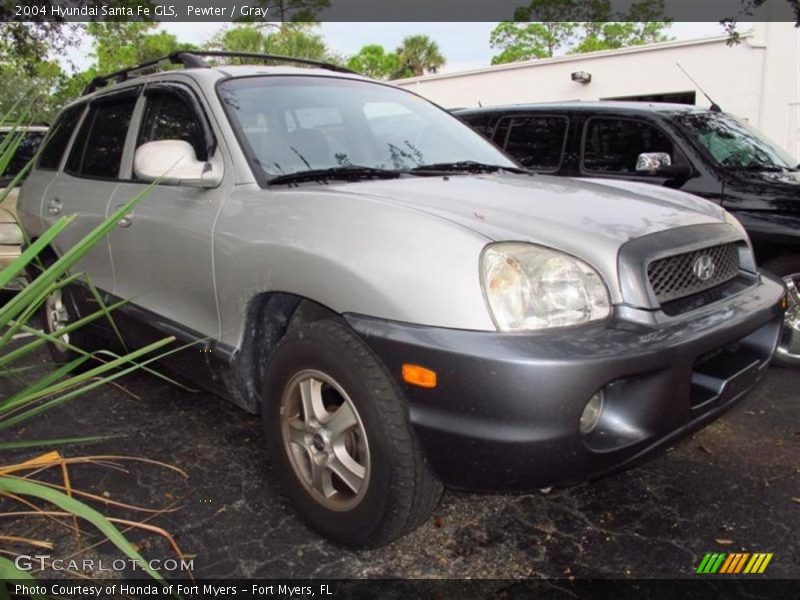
[(11, 237)]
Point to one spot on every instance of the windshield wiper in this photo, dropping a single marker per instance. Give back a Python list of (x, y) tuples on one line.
[(468, 166), (347, 173), (761, 168)]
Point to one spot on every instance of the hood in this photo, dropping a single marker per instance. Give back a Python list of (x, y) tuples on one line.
[(763, 190), (588, 218)]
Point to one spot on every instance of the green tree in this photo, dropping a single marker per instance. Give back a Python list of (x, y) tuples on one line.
[(525, 41), (26, 64), (297, 40), (118, 45), (552, 26), (375, 62), (39, 84), (26, 44), (418, 54), (644, 23)]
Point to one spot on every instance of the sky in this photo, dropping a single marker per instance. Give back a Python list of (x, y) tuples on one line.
[(464, 45)]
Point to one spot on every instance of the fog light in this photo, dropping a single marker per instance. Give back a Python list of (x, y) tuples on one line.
[(591, 414)]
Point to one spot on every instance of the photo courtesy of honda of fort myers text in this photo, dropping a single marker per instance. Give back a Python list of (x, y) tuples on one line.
[(332, 299)]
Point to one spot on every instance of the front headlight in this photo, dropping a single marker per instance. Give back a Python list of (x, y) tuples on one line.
[(10, 234), (530, 287)]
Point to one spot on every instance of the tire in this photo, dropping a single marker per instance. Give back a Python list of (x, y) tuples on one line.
[(58, 311), (341, 377), (788, 269)]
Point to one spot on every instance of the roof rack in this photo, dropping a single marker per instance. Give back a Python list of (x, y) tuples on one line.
[(193, 59)]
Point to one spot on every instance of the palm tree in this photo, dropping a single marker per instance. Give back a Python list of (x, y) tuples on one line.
[(419, 53)]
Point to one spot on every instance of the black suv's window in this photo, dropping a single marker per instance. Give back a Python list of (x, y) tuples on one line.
[(613, 145), (537, 141), (97, 151), (60, 133), (169, 116), (24, 153), (482, 123)]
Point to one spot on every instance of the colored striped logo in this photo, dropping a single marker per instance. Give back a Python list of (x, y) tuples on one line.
[(736, 562)]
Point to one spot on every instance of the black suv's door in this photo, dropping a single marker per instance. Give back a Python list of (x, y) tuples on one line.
[(611, 147)]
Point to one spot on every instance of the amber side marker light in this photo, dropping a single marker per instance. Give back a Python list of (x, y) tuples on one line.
[(784, 302), (419, 376)]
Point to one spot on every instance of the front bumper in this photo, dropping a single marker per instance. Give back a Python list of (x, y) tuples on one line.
[(504, 414)]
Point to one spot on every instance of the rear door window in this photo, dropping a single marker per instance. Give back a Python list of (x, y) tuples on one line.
[(537, 141), (97, 151), (614, 145), (60, 134)]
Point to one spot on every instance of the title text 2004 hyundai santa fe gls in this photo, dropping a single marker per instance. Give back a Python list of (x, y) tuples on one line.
[(405, 307)]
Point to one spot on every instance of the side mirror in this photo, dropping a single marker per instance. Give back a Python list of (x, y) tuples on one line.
[(174, 162), (675, 172), (652, 162), (660, 165)]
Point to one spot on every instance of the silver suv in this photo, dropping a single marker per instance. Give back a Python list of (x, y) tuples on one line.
[(405, 306)]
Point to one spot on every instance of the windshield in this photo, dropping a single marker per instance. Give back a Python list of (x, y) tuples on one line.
[(25, 152), (293, 124), (734, 144)]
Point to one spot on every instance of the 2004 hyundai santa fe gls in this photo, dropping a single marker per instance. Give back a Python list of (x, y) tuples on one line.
[(405, 306)]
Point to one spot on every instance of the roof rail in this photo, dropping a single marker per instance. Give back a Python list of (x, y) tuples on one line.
[(193, 59), (123, 74), (196, 58)]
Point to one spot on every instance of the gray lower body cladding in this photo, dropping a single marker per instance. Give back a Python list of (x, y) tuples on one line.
[(504, 414)]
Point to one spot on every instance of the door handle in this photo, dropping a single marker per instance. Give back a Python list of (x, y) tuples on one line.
[(54, 206), (125, 221)]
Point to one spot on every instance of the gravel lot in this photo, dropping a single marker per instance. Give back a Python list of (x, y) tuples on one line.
[(733, 487)]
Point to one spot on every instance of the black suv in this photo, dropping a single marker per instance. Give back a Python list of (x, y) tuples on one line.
[(704, 152)]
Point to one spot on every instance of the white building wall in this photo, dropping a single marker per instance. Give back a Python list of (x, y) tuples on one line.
[(758, 80)]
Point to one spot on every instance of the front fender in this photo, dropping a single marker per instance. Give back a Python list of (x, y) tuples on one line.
[(351, 254)]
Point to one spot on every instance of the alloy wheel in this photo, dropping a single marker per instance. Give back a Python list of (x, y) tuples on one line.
[(325, 440)]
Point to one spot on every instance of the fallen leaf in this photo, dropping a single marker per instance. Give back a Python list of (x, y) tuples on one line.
[(704, 449), (438, 522), (723, 541)]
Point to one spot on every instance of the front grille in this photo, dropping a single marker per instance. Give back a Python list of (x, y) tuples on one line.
[(690, 273)]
